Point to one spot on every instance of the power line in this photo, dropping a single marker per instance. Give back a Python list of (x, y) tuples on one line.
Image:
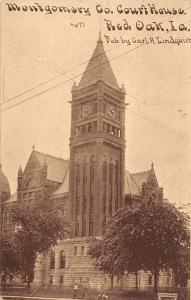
[(140, 114), (74, 77), (155, 122), (55, 77)]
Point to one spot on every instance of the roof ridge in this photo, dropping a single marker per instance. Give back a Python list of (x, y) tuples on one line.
[(128, 181), (55, 157), (135, 183), (143, 172)]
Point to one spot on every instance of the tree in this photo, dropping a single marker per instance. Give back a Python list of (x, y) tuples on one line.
[(151, 237), (110, 253), (9, 261), (39, 227)]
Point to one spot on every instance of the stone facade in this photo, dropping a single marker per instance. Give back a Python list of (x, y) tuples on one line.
[(90, 188)]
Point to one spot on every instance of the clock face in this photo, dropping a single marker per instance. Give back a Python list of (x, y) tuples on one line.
[(86, 110), (112, 111)]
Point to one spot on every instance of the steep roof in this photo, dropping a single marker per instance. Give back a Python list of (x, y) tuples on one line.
[(130, 185), (98, 68), (64, 187), (4, 183), (140, 178), (56, 167)]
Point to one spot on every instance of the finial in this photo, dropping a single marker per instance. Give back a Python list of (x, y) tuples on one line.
[(20, 170), (33, 147), (123, 89), (74, 86), (152, 166), (100, 39)]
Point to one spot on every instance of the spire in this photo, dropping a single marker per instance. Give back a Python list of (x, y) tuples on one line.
[(98, 69), (33, 148), (100, 39), (20, 172), (152, 166)]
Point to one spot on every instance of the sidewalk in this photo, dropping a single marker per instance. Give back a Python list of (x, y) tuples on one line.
[(4, 297)]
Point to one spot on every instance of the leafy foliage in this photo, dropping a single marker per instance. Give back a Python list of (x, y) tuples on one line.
[(151, 237), (9, 261), (39, 227)]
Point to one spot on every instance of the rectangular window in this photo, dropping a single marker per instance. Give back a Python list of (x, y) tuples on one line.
[(84, 207), (150, 280), (77, 229), (89, 127), (77, 205), (75, 250), (24, 196), (84, 229), (52, 260), (61, 279), (82, 250), (91, 203), (83, 129), (62, 259), (50, 279), (104, 108), (94, 125), (168, 280), (91, 228)]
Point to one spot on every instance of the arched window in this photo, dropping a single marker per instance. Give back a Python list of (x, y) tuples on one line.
[(62, 259), (52, 260)]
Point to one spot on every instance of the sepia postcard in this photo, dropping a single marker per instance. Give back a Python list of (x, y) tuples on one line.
[(87, 83)]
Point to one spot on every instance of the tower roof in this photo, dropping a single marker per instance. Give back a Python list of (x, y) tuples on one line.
[(98, 68), (4, 183)]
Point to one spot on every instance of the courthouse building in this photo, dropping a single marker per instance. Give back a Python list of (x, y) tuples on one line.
[(90, 187)]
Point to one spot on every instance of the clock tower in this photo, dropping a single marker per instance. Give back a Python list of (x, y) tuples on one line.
[(97, 147)]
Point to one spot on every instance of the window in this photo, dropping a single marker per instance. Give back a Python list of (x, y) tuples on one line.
[(105, 171), (95, 125), (85, 172), (91, 228), (6, 218), (110, 172), (77, 229), (104, 108), (30, 195), (78, 131), (92, 169), (91, 203), (62, 259), (78, 173), (150, 280), (75, 250), (89, 127), (77, 205), (168, 280), (82, 250), (84, 229), (83, 129), (61, 279), (50, 279), (52, 260), (84, 207), (24, 196)]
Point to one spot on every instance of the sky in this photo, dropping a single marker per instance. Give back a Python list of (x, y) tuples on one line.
[(43, 54)]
